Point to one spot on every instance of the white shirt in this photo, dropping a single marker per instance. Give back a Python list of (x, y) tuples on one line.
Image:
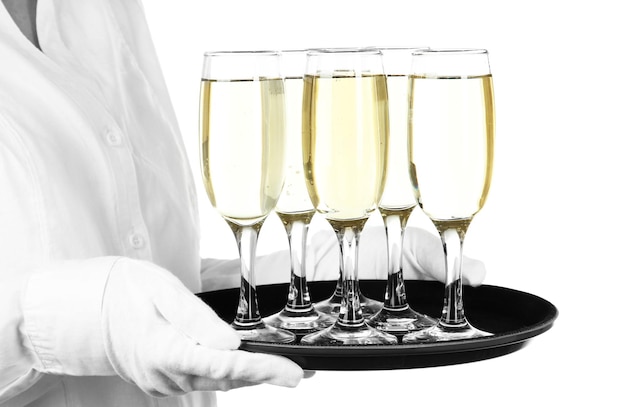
[(91, 164)]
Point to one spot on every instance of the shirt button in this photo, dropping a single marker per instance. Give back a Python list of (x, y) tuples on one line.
[(136, 240), (113, 138)]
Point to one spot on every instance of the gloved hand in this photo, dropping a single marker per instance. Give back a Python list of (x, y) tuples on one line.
[(161, 337), (423, 257)]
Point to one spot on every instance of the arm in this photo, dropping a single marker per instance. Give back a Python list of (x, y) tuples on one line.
[(49, 314), (41, 302), (422, 259), (73, 317), (219, 274)]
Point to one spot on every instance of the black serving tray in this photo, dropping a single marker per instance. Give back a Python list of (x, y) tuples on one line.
[(514, 317)]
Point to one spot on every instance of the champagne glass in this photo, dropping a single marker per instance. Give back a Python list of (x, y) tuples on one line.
[(242, 136), (344, 138), (294, 208), (451, 143), (332, 305), (398, 199)]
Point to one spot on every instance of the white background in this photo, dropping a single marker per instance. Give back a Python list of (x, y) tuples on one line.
[(554, 221)]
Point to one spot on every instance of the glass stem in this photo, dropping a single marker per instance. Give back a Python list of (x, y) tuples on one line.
[(298, 299), (248, 309), (350, 313), (395, 293), (452, 234), (338, 293)]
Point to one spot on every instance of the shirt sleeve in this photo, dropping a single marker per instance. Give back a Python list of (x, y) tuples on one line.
[(49, 310), (219, 274), (322, 263), (51, 323)]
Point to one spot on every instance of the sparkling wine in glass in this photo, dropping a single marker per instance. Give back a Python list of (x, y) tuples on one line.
[(332, 305), (451, 136), (294, 208), (345, 130), (398, 199), (242, 128)]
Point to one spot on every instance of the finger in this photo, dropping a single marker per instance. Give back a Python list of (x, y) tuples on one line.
[(474, 271), (256, 368), (270, 269), (423, 255), (205, 384), (199, 383), (372, 259), (174, 364), (322, 260), (241, 366)]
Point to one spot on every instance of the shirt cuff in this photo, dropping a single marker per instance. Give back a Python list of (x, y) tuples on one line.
[(62, 316), (218, 274)]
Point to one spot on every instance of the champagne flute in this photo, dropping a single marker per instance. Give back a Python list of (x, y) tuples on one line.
[(294, 208), (345, 129), (451, 143), (398, 199), (332, 305), (242, 137)]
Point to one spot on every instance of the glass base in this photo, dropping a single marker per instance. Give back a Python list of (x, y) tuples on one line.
[(400, 321), (332, 305), (445, 332), (339, 334), (300, 322), (260, 332)]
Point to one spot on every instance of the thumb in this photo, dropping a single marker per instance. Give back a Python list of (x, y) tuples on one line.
[(424, 259), (197, 321), (188, 314)]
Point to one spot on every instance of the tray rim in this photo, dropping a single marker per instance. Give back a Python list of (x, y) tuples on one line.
[(503, 342)]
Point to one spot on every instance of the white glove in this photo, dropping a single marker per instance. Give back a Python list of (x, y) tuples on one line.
[(423, 257), (161, 337)]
